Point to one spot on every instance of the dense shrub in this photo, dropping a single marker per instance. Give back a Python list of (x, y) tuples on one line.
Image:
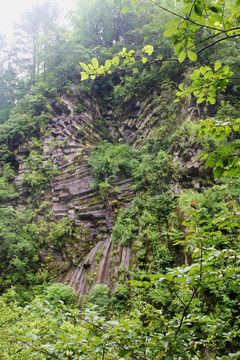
[(61, 292), (120, 297), (99, 295), (109, 160), (145, 213)]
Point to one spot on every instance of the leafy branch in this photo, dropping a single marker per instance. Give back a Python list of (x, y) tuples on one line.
[(205, 83), (93, 70)]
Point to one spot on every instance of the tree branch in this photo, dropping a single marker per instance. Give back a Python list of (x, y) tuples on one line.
[(186, 18), (185, 310), (217, 41), (190, 12), (210, 37)]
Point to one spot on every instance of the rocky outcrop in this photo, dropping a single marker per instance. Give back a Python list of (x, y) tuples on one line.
[(67, 142)]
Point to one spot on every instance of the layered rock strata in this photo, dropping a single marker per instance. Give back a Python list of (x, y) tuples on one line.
[(92, 258), (68, 143)]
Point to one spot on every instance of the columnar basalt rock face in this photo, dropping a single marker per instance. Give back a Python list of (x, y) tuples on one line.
[(136, 122), (92, 257), (67, 143)]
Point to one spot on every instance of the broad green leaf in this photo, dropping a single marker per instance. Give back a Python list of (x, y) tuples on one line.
[(169, 32), (198, 9), (195, 76), (95, 62), (209, 162), (182, 56), (148, 49), (216, 18), (84, 66), (108, 64), (187, 8), (174, 39), (200, 21), (215, 9), (212, 94), (218, 172), (124, 9), (101, 71), (200, 100), (192, 56), (208, 74), (178, 48), (225, 69), (144, 60), (181, 87), (84, 76), (115, 61), (211, 100)]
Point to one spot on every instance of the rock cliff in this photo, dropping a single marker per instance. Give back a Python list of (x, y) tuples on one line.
[(67, 142)]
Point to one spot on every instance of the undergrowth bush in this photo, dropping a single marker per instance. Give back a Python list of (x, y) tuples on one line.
[(60, 292), (109, 160), (120, 297), (99, 295)]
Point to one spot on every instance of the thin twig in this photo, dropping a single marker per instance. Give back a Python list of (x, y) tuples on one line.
[(217, 41), (37, 349), (179, 298), (184, 17), (185, 310), (190, 12), (208, 38)]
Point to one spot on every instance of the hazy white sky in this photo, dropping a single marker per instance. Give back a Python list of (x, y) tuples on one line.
[(11, 11)]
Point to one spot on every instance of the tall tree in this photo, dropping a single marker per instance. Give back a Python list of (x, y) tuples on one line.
[(101, 22), (29, 34), (8, 80)]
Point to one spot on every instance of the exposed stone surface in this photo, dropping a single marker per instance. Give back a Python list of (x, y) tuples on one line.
[(67, 143)]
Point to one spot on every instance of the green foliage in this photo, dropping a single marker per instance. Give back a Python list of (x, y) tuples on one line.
[(58, 292), (203, 287), (202, 15), (142, 219), (104, 188), (206, 82), (28, 118), (7, 190), (225, 159), (162, 257), (22, 236), (93, 70), (149, 171), (138, 84), (109, 160), (189, 310), (153, 172), (186, 140), (62, 231), (99, 296), (120, 297), (39, 174)]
